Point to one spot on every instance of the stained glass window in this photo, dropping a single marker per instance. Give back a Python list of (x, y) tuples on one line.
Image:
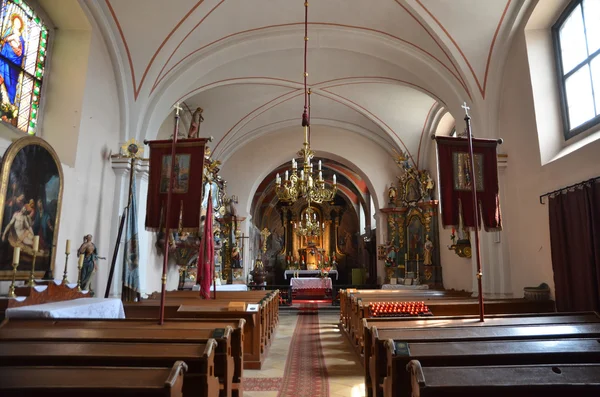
[(577, 41), (23, 51)]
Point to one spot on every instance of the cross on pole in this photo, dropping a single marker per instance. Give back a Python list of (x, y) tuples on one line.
[(177, 109), (464, 106)]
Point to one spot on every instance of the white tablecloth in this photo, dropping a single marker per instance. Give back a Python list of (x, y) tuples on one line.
[(313, 272), (402, 286), (310, 283), (76, 308)]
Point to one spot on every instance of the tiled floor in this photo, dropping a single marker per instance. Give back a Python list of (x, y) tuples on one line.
[(345, 372)]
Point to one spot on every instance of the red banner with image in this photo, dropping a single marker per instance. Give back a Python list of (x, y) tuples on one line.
[(456, 194), (186, 189)]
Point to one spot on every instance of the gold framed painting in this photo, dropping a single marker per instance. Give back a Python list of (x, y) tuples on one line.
[(30, 205)]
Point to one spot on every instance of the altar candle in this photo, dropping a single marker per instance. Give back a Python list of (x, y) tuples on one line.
[(405, 258), (81, 260), (16, 255), (68, 249), (417, 258), (36, 243)]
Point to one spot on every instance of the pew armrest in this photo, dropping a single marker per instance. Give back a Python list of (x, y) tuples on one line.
[(179, 368), (417, 378)]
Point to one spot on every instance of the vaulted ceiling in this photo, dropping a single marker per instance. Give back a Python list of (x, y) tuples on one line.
[(377, 68)]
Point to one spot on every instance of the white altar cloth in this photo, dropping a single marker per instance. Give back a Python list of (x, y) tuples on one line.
[(310, 283), (402, 286), (314, 272), (76, 308)]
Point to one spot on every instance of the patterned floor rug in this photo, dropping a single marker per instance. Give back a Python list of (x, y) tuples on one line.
[(305, 372), (262, 384)]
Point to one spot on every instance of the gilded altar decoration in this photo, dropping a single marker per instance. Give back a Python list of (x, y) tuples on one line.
[(30, 198), (412, 250)]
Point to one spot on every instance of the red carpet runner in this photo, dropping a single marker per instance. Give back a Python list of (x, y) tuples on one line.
[(305, 372)]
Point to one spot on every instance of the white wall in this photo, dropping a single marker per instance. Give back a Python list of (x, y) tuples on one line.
[(526, 219)]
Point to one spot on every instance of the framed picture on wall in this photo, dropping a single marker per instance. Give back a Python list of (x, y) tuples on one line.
[(30, 203)]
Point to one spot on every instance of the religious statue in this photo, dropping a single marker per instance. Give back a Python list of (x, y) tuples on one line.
[(392, 193), (197, 118), (236, 256), (90, 261), (427, 251), (390, 257)]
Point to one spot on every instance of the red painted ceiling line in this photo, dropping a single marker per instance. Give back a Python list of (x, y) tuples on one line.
[(132, 70), (481, 89), (313, 23), (265, 110), (181, 42), (181, 98), (423, 133), (136, 90), (438, 44), (374, 116), (360, 184), (317, 86), (263, 105)]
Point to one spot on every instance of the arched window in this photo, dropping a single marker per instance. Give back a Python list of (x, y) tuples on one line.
[(23, 46), (577, 42)]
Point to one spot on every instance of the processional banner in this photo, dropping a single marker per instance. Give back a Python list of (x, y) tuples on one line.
[(456, 182), (186, 187), (131, 255)]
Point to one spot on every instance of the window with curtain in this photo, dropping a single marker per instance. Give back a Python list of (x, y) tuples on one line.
[(577, 43), (23, 52)]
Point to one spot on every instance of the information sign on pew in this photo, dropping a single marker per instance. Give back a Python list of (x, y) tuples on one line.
[(252, 307)]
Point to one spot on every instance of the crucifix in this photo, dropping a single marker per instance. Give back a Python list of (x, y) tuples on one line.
[(265, 233), (464, 106)]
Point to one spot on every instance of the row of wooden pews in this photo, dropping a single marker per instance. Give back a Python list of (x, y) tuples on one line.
[(517, 355), (356, 305), (209, 338)]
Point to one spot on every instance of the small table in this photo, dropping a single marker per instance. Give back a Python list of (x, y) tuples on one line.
[(76, 308)]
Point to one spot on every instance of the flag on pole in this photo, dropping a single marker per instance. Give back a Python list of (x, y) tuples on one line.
[(206, 255), (131, 254)]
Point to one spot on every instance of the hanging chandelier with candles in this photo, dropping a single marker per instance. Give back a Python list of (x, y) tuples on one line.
[(307, 183), (309, 226)]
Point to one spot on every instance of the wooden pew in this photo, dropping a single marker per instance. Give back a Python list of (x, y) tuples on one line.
[(481, 353), (200, 380), (253, 353), (224, 364), (237, 334), (582, 380), (378, 361), (92, 381), (376, 325)]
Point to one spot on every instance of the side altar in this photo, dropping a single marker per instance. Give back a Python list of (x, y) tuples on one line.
[(412, 252)]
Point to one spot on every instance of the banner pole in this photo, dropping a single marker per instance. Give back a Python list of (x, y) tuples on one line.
[(475, 209), (168, 218)]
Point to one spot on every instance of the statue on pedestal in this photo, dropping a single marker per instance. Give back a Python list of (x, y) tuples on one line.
[(427, 251), (197, 119)]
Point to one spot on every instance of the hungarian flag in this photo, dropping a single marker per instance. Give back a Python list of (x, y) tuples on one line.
[(206, 255)]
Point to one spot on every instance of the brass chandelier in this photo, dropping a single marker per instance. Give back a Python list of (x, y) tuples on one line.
[(308, 226), (307, 184)]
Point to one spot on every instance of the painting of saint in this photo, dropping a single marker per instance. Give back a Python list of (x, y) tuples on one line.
[(463, 180), (181, 173), (31, 195), (12, 52), (415, 237)]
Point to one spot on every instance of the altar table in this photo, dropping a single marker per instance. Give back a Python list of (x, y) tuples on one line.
[(308, 272), (314, 283), (76, 308)]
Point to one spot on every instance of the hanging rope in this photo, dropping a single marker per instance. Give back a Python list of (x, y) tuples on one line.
[(305, 118)]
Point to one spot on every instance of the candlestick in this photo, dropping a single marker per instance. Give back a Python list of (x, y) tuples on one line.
[(319, 165), (36, 245), (68, 248), (79, 266), (334, 179), (65, 280), (16, 256)]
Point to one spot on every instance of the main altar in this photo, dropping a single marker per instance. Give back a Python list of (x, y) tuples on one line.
[(412, 251)]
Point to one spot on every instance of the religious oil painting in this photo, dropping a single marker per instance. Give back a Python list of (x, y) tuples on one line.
[(461, 161), (31, 196), (23, 52), (181, 177)]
